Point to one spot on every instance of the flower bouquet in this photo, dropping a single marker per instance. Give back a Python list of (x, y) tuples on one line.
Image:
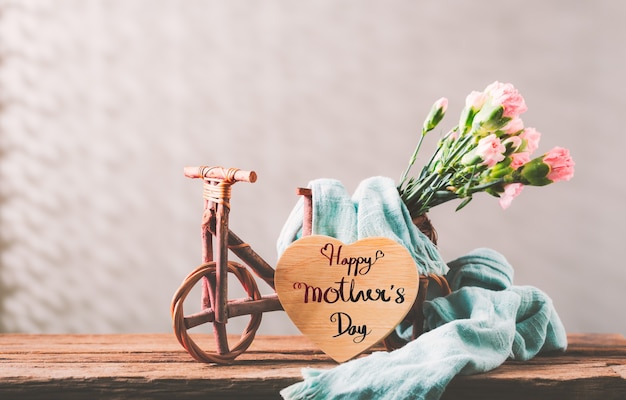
[(488, 151)]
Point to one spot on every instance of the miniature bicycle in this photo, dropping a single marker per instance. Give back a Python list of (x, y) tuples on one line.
[(217, 240)]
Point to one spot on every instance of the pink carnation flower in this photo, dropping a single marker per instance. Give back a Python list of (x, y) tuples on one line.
[(475, 100), (561, 164), (532, 136), (513, 126), (519, 159), (491, 150), (508, 97), (442, 104), (511, 191)]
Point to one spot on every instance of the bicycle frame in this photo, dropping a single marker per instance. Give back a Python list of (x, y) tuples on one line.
[(217, 239)]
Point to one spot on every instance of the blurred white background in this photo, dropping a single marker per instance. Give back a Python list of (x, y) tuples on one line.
[(103, 102)]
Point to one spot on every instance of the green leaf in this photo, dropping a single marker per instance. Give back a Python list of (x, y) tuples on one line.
[(464, 203)]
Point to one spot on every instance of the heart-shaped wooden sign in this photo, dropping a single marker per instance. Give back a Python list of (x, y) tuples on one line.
[(346, 297)]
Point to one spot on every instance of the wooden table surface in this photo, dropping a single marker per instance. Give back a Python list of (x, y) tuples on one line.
[(155, 366)]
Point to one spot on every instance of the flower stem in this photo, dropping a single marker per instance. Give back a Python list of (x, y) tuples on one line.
[(413, 157)]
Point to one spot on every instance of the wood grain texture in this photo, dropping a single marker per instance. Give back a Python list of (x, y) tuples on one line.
[(154, 366), (343, 296)]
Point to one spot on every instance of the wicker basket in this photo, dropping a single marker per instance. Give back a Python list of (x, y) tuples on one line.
[(415, 316)]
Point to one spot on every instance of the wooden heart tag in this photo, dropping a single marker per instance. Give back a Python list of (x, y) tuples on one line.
[(346, 297)]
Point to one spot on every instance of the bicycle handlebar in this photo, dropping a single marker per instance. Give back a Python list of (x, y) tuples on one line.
[(219, 173)]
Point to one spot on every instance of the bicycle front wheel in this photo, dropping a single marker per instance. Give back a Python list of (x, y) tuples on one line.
[(181, 326)]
